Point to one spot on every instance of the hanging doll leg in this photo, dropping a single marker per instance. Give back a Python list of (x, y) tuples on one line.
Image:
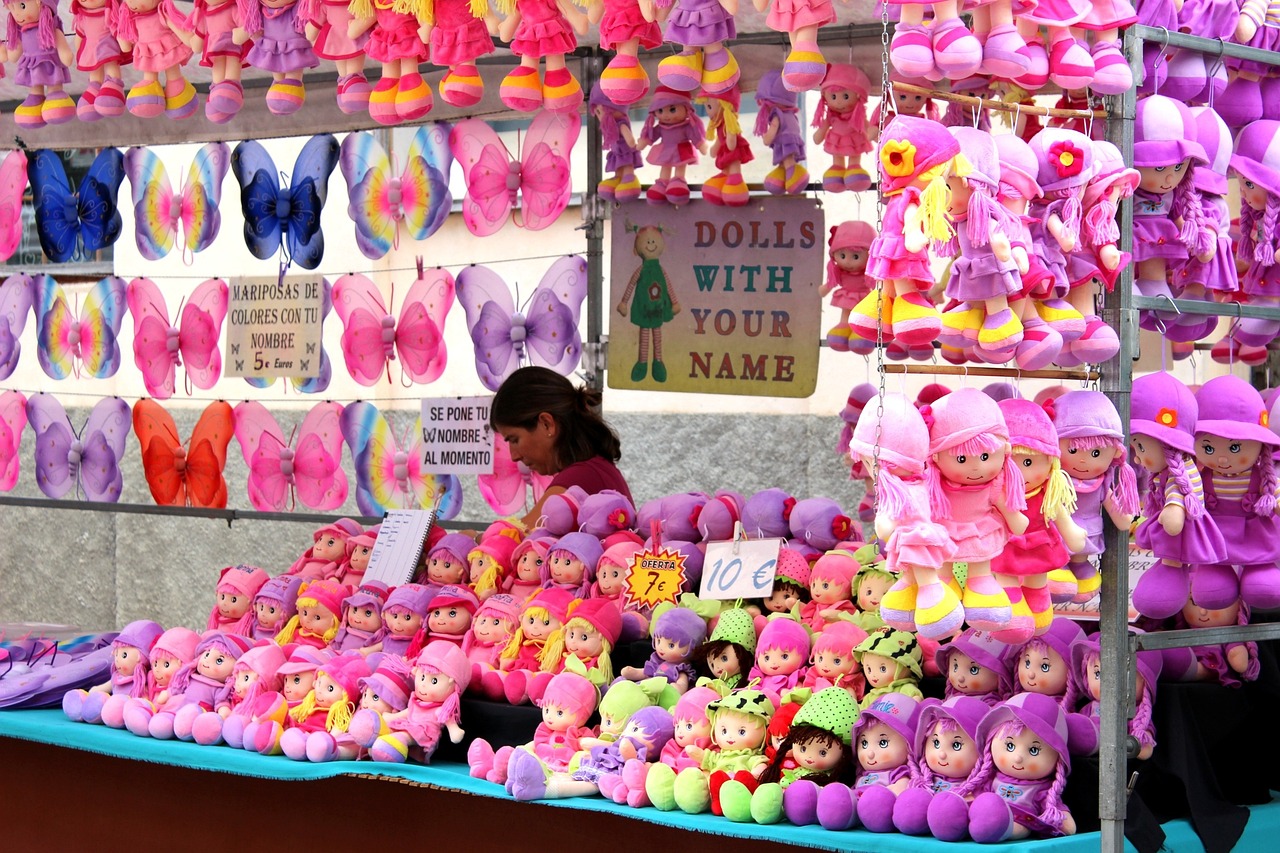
[(1111, 74), (641, 368), (911, 50), (110, 98), (1213, 587), (720, 71), (1087, 580), (914, 317), (1021, 625), (1001, 330), (938, 611), (628, 188), (624, 80), (957, 53), (29, 115), (1004, 51), (874, 312), (1162, 590), (286, 95), (1241, 103), (1037, 73), (804, 67), (522, 89), (413, 95), (986, 604), (58, 108), (86, 105), (382, 100), (1041, 343), (352, 90), (1070, 64), (1260, 586), (797, 177), (659, 369), (561, 91), (179, 95)]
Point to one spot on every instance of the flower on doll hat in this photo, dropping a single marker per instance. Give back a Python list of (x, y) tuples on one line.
[(242, 580), (265, 659), (178, 642), (1164, 133), (896, 710), (1238, 411), (966, 711), (414, 597), (392, 681), (1018, 165), (979, 148), (455, 596), (1257, 154), (1064, 159), (983, 649), (1079, 414), (304, 659), (370, 592), (142, 634), (735, 626), (1036, 711), (605, 512), (447, 659), (961, 415), (347, 669), (601, 614), (1110, 170), (765, 514), (902, 436), (901, 647), (793, 567), (911, 146), (833, 710), (848, 77), (1162, 407), (1030, 427), (329, 594)]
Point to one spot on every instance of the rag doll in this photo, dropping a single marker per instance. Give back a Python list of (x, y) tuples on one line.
[(571, 563), (538, 640), (541, 31), (328, 24), (1059, 58), (622, 156), (782, 657), (233, 610), (99, 54), (625, 29), (976, 494), (274, 605), (526, 576), (590, 636), (677, 633), (611, 584), (730, 150), (882, 741), (830, 589), (778, 124), (201, 682), (944, 48), (1177, 529), (1086, 668), (359, 552), (36, 43), (326, 711), (490, 564), (978, 665), (895, 446), (841, 128), (448, 618), (833, 662), (212, 35), (153, 31), (396, 38), (383, 692), (700, 28), (1227, 664), (174, 649), (270, 713), (441, 674), (459, 37), (790, 583), (1043, 664), (847, 284), (1257, 171), (446, 562), (766, 514), (130, 669), (675, 136), (608, 515), (567, 704), (804, 66), (728, 655), (946, 754), (319, 615), (891, 663), (256, 673), (362, 626), (870, 584), (325, 557), (403, 615)]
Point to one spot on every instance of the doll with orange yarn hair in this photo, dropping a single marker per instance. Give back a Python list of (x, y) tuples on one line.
[(541, 31), (213, 24), (36, 43), (328, 24), (99, 55), (398, 32), (154, 30)]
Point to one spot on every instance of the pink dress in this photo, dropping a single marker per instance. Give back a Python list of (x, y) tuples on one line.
[(623, 21), (787, 16), (97, 45), (333, 18), (674, 756), (158, 47), (542, 31), (527, 657), (458, 37), (889, 257), (484, 655), (556, 749), (976, 527), (394, 37), (314, 722), (215, 26), (811, 612), (850, 288), (917, 540), (843, 138), (423, 722)]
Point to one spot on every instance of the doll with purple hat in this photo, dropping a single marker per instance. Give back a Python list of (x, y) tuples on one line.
[(200, 683), (978, 665), (326, 710), (605, 513), (717, 517), (403, 614), (675, 136), (1256, 165), (622, 156), (1064, 161), (841, 127), (882, 741), (766, 513), (560, 511), (361, 626), (730, 149), (325, 557), (820, 523), (1177, 529), (233, 609), (1086, 670), (441, 673), (848, 252), (359, 552), (256, 673), (319, 615), (491, 630), (274, 605), (130, 664), (571, 563), (945, 751), (778, 125), (1043, 663), (677, 633), (446, 561)]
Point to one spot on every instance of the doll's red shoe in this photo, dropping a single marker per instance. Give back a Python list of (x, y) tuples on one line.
[(180, 98), (521, 90), (85, 109), (413, 97), (110, 100), (382, 101), (624, 81), (735, 192), (352, 93), (677, 191), (462, 86), (29, 113), (714, 783), (1225, 351), (915, 319), (58, 107), (657, 194)]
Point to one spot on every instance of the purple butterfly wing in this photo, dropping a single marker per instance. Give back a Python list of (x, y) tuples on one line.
[(551, 323), (104, 437), (54, 436), (16, 298), (488, 307)]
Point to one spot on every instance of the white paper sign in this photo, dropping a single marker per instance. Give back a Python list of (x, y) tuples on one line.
[(273, 327), (456, 437), (400, 541), (742, 569)]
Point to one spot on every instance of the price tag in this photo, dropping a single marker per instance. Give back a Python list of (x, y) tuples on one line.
[(740, 569), (401, 537), (654, 578)]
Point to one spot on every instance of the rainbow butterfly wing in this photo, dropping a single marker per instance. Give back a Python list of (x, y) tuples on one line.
[(202, 194), (486, 165), (381, 483), (13, 182), (159, 210), (420, 332), (16, 297), (309, 384), (13, 420), (545, 184), (381, 202), (88, 462), (435, 201), (66, 341), (67, 219), (367, 170)]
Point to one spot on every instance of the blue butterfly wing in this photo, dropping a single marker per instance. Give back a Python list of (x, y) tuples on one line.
[(259, 192), (100, 223), (57, 217), (307, 193)]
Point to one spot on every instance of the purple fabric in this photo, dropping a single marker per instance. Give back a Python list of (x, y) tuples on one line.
[(789, 140), (1200, 541), (39, 66), (977, 273), (281, 48), (655, 666), (1220, 272), (882, 780), (1089, 497), (698, 23), (1250, 538)]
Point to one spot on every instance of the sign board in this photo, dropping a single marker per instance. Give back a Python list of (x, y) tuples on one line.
[(274, 325), (456, 437), (728, 296), (654, 577), (401, 538), (740, 569)]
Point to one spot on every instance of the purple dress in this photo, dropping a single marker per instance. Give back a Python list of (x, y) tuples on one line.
[(621, 155), (1250, 538), (1261, 280), (1200, 542), (201, 690), (977, 274), (1154, 233), (656, 666), (1089, 497), (789, 140), (676, 144), (281, 48), (394, 645), (1026, 800), (1046, 245), (353, 639), (698, 23), (39, 66), (1220, 273), (888, 256), (867, 779)]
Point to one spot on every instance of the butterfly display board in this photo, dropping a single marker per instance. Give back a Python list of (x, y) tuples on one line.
[(401, 538), (274, 326), (730, 294)]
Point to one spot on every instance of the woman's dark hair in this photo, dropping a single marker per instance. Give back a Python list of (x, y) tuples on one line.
[(583, 434), (801, 734)]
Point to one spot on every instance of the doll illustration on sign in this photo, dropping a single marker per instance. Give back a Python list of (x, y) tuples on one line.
[(842, 130), (648, 301), (153, 30), (675, 135), (36, 43), (213, 24), (328, 24), (99, 54), (541, 31), (397, 39)]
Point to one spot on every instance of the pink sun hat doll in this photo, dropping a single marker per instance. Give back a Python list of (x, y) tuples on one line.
[(675, 136), (130, 663), (1256, 165), (153, 31), (842, 128), (491, 630), (174, 650), (319, 615), (526, 572), (325, 557), (256, 673), (441, 673), (448, 619), (978, 665), (359, 551), (233, 610), (327, 710), (490, 564), (848, 252), (830, 587), (274, 605), (447, 560), (946, 754), (362, 618), (383, 692)]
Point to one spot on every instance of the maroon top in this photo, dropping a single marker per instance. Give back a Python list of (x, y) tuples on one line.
[(592, 476)]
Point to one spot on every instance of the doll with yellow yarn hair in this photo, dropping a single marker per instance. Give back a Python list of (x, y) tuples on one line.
[(541, 31), (398, 32), (327, 709), (319, 615), (490, 564), (916, 158), (1051, 535), (538, 640), (729, 146)]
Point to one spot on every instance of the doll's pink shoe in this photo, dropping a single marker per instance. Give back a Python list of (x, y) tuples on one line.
[(911, 50), (521, 90), (491, 685), (1111, 74), (800, 802), (677, 191), (948, 817), (207, 729), (382, 101), (366, 727), (137, 717), (612, 788), (1004, 53), (1162, 591), (526, 777), (657, 194), (352, 93), (480, 758), (184, 719), (232, 730), (898, 606), (624, 80), (837, 807), (73, 704), (797, 180), (775, 182), (224, 102), (113, 711), (321, 747), (249, 737), (462, 86), (838, 338), (1256, 332), (1070, 64), (516, 687), (804, 68), (146, 100), (896, 351), (1062, 586), (957, 53), (413, 97), (915, 319), (180, 99), (857, 179), (1001, 332), (875, 809), (986, 604), (1098, 344), (537, 685), (1088, 581), (1040, 345), (1037, 74), (285, 97), (161, 726), (960, 325), (1213, 587), (501, 765), (85, 104), (110, 99), (1253, 356), (605, 188), (293, 743), (635, 774), (735, 193), (990, 819)]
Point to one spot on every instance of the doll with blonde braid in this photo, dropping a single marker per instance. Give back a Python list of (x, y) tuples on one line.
[(319, 615), (538, 638), (326, 711), (98, 54), (385, 691), (841, 128), (397, 38), (730, 149), (328, 23), (541, 31)]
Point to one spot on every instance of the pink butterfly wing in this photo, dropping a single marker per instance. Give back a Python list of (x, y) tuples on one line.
[(13, 420), (420, 333), (488, 306), (151, 337), (317, 463), (503, 490), (201, 331), (486, 166), (544, 170), (13, 183), (261, 443), (360, 308)]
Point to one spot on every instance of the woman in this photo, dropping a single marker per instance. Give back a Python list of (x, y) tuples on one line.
[(552, 427)]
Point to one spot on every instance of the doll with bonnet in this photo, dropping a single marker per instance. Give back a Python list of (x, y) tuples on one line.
[(491, 630), (270, 713), (847, 284), (1086, 670), (782, 656), (441, 674), (359, 551), (590, 636), (130, 665), (526, 567), (403, 615), (830, 589), (728, 655), (571, 563), (790, 584), (891, 663), (610, 587), (833, 662), (385, 691), (978, 665), (448, 618), (677, 633), (1256, 164), (362, 626), (326, 710), (883, 738), (622, 156), (538, 640), (1043, 664), (447, 562), (674, 135), (256, 673), (174, 649), (319, 615), (841, 127), (201, 682), (945, 753), (324, 559), (490, 563), (274, 605), (233, 611)]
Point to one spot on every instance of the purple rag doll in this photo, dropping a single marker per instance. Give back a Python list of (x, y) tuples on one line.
[(677, 634), (130, 666), (946, 756), (977, 665)]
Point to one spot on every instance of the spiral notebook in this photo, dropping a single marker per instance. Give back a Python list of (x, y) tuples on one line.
[(401, 538)]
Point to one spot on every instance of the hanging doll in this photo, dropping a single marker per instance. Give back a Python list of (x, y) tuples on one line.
[(362, 625), (403, 615), (882, 740), (99, 54), (541, 30), (1065, 61), (847, 283), (1234, 449), (526, 576), (491, 630), (1017, 787), (677, 137), (945, 48), (212, 29), (976, 494), (153, 31), (274, 605), (652, 303), (677, 634), (1051, 536), (830, 590), (441, 674), (270, 714), (891, 663), (130, 665), (623, 157), (625, 29), (1228, 664), (778, 125), (790, 583), (201, 682), (319, 615), (728, 655), (233, 610), (446, 561), (1243, 101), (569, 701), (730, 150), (700, 28), (915, 157), (35, 41), (1257, 169), (1086, 669), (254, 674), (571, 563), (945, 751), (397, 38), (328, 24), (460, 36), (538, 640), (978, 665), (782, 655), (1111, 74), (842, 129), (1043, 663), (490, 564), (325, 557), (359, 552), (833, 662), (326, 711), (281, 46)]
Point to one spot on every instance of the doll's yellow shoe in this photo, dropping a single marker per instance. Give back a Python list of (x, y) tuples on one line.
[(58, 107), (804, 68), (682, 72), (628, 190), (953, 585), (986, 604), (720, 71), (960, 325), (915, 319), (872, 310), (1021, 625), (939, 613), (30, 113), (797, 180), (1088, 582), (1000, 331), (1062, 585), (180, 98), (898, 605), (607, 188), (775, 182), (833, 180)]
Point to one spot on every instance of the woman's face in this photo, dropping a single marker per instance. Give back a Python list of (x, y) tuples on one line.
[(535, 447)]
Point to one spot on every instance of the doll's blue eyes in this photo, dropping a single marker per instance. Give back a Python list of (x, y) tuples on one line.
[(1010, 746), (973, 670), (1034, 751)]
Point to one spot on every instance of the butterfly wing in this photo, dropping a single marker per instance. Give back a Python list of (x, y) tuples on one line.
[(158, 437), (307, 194), (151, 329), (488, 306), (13, 183), (154, 217), (103, 437), (100, 223), (360, 307), (317, 464), (544, 169), (54, 202), (201, 331), (53, 443), (16, 297), (503, 490), (261, 444), (13, 420), (207, 456), (420, 333), (367, 171), (486, 165), (551, 324), (367, 433), (425, 489), (101, 316), (255, 171), (432, 202), (202, 194)]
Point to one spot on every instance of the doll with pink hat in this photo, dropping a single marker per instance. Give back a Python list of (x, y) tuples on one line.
[(200, 682), (538, 640), (490, 564), (233, 610), (622, 156), (383, 692), (491, 630), (976, 494), (781, 659), (270, 713), (1177, 528), (882, 741), (730, 149), (256, 673), (830, 589), (175, 648), (319, 615), (1043, 663), (448, 619), (978, 665), (1234, 448), (362, 626), (610, 587), (274, 605), (1051, 535), (848, 248), (778, 125), (325, 557), (841, 127), (569, 701), (326, 711), (1256, 165), (1227, 664), (943, 48), (527, 560), (1086, 670), (590, 636), (896, 446), (130, 665), (36, 44), (571, 563), (832, 662), (403, 615), (674, 136), (790, 583), (677, 633), (916, 156), (447, 560), (441, 673), (359, 552), (945, 750), (1064, 164)]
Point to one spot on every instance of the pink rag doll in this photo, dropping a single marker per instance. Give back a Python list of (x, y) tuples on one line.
[(397, 36), (448, 619), (202, 682), (154, 30), (213, 24), (269, 714), (568, 702), (677, 635), (1086, 668), (842, 129), (610, 586), (945, 48), (882, 740), (782, 655), (847, 284), (833, 663), (175, 649), (491, 630), (362, 625), (130, 668), (946, 754), (830, 590), (779, 126), (916, 547), (326, 711), (256, 673), (281, 46), (460, 36), (319, 615), (891, 662), (1059, 57), (675, 136), (1043, 664), (489, 564), (274, 605), (571, 564), (328, 25), (730, 149), (700, 28), (590, 636), (623, 155), (359, 551), (804, 66), (1051, 536), (99, 54), (446, 561), (403, 615), (978, 665), (541, 31), (441, 674), (233, 611), (526, 575), (624, 29), (36, 43), (325, 557), (916, 155), (538, 640)]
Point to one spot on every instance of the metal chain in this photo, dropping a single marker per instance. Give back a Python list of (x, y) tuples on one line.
[(886, 103)]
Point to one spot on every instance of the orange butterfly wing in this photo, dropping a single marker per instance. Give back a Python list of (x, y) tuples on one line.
[(206, 486), (200, 483)]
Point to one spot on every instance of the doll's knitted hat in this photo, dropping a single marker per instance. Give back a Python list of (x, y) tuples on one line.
[(414, 597), (1080, 414), (304, 659), (847, 77), (554, 600), (1212, 133), (765, 514), (242, 580), (1062, 636), (899, 646), (347, 669), (731, 96), (1030, 426), (456, 596), (327, 593), (367, 539), (961, 415), (735, 626), (605, 512), (903, 437), (282, 588), (896, 710), (985, 650), (751, 702), (456, 546), (1038, 712), (448, 659), (392, 681), (583, 546), (1164, 133), (1257, 154), (572, 692), (851, 234), (178, 642), (979, 148), (858, 398), (370, 593), (665, 96), (820, 522), (1018, 165), (911, 146), (1064, 159), (1162, 407), (966, 711), (718, 515), (501, 605), (602, 615), (1109, 171), (833, 710), (142, 634), (265, 659), (1237, 411), (793, 567), (502, 527), (784, 632), (771, 91)]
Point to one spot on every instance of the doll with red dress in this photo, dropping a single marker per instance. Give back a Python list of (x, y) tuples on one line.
[(730, 149), (327, 710)]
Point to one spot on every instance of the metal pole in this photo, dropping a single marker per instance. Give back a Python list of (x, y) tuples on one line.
[(593, 220)]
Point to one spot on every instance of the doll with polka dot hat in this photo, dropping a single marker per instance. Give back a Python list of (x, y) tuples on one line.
[(674, 136), (362, 625), (359, 552), (441, 673), (848, 252), (130, 664), (842, 129), (256, 673), (274, 604), (1256, 165), (778, 125), (790, 584), (233, 610), (728, 655), (945, 752), (327, 710), (325, 557), (882, 741), (978, 665), (891, 663)]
